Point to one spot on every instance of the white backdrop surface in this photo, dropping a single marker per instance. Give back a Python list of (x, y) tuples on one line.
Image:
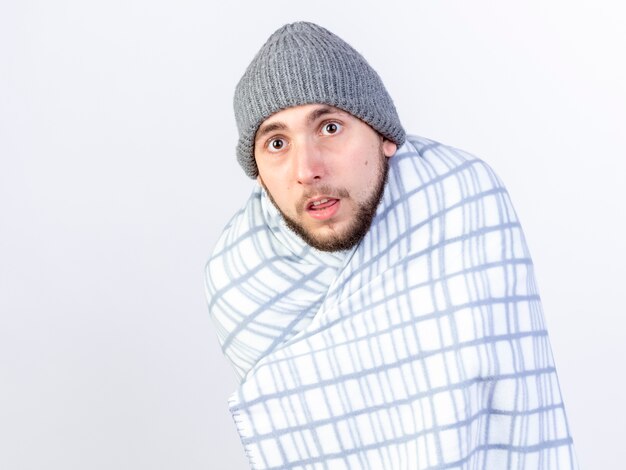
[(118, 171)]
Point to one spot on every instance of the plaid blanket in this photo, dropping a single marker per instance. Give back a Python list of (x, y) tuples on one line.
[(423, 347)]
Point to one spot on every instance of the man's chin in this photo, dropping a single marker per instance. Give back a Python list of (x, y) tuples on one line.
[(329, 237)]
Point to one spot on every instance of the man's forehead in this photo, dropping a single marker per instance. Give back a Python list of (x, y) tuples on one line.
[(305, 110)]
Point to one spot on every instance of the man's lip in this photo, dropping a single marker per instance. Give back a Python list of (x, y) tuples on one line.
[(325, 211), (309, 205)]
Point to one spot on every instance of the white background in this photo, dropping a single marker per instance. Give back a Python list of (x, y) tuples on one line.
[(118, 171)]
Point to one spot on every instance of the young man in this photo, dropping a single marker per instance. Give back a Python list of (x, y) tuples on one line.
[(375, 294)]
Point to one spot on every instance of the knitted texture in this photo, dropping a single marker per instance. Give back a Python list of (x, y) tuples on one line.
[(303, 63)]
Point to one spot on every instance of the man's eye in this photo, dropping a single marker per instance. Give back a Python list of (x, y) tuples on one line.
[(276, 145), (331, 128)]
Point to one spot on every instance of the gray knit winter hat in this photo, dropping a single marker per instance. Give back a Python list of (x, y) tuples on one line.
[(303, 63)]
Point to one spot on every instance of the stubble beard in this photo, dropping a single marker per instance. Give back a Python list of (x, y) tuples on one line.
[(359, 225)]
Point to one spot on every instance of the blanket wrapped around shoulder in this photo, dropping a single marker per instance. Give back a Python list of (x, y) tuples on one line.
[(423, 347)]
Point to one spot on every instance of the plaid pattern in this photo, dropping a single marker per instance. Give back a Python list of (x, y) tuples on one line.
[(424, 347)]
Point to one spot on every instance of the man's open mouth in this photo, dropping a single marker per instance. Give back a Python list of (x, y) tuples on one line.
[(322, 208), (321, 203)]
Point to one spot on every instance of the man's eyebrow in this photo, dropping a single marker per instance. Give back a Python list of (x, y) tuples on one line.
[(310, 119), (271, 127), (319, 112)]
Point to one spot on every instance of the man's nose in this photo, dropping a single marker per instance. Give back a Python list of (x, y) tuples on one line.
[(309, 162)]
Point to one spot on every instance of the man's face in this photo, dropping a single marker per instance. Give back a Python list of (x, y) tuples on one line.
[(324, 170)]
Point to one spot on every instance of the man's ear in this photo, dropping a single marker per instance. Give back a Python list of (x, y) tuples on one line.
[(389, 148)]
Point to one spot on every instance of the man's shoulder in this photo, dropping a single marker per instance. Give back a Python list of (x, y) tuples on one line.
[(436, 158), (427, 147)]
